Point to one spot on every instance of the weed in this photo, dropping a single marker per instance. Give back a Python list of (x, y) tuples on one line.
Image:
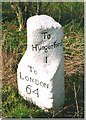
[(14, 44)]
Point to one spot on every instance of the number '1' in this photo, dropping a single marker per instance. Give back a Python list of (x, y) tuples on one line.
[(46, 59)]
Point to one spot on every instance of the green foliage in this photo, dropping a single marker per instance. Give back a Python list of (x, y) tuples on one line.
[(13, 38), (14, 106), (7, 13), (63, 12), (14, 44)]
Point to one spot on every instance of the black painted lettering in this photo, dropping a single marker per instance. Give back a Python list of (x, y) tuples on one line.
[(36, 92), (28, 89), (44, 33), (36, 82), (49, 36), (39, 48), (61, 43), (42, 84), (50, 46), (27, 78), (46, 59), (47, 86), (30, 68), (45, 48), (31, 79), (34, 47), (35, 72), (21, 76), (55, 44)]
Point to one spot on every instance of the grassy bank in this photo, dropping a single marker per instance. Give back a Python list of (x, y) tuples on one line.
[(14, 44)]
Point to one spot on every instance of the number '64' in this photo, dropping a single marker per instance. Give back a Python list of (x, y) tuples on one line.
[(29, 90)]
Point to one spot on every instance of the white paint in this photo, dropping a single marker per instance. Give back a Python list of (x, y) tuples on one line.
[(41, 69)]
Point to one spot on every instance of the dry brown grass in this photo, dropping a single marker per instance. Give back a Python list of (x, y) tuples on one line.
[(73, 73)]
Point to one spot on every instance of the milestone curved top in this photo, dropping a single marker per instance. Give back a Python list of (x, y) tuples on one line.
[(41, 22)]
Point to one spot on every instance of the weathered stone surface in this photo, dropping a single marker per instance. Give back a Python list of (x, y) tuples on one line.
[(41, 69)]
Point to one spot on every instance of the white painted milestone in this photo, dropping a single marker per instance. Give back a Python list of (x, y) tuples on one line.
[(40, 73)]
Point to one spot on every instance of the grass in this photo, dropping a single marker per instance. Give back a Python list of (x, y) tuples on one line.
[(14, 46), (16, 107)]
